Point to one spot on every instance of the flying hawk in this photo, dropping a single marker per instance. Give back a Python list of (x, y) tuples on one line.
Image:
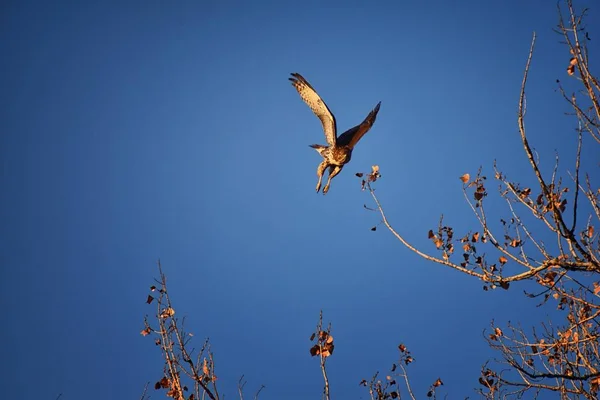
[(339, 151)]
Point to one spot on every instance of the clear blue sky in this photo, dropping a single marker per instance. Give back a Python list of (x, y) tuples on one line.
[(142, 130)]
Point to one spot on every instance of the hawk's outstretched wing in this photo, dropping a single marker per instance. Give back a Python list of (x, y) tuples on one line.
[(317, 105), (353, 135)]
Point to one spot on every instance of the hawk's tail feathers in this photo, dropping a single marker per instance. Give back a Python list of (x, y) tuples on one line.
[(318, 147)]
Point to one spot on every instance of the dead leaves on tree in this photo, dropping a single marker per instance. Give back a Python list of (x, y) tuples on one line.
[(172, 385), (488, 379), (496, 335), (390, 388), (369, 177), (564, 353), (477, 183), (167, 313), (324, 346), (173, 342), (405, 356), (588, 236), (208, 368), (573, 61), (443, 239), (571, 67), (434, 385)]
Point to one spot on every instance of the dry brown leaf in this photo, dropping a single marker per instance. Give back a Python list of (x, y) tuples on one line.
[(315, 350), (562, 205), (540, 200), (529, 362), (475, 237), (571, 70), (149, 299), (438, 243), (329, 347), (167, 312), (503, 260), (590, 231), (596, 287), (515, 243), (573, 61), (465, 178), (549, 277), (145, 332), (438, 382), (205, 370), (163, 383)]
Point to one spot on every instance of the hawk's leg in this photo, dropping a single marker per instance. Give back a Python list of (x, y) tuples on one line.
[(333, 171), (320, 170)]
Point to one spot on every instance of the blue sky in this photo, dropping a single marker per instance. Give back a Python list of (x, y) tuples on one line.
[(142, 130)]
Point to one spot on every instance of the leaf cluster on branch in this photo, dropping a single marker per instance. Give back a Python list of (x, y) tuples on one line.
[(548, 237)]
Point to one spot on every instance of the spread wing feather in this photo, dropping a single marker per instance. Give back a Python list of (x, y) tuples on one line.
[(317, 105), (353, 135)]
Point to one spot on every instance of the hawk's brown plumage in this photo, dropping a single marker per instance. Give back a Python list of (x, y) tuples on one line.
[(339, 151)]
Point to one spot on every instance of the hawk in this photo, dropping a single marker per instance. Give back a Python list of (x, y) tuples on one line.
[(339, 151)]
